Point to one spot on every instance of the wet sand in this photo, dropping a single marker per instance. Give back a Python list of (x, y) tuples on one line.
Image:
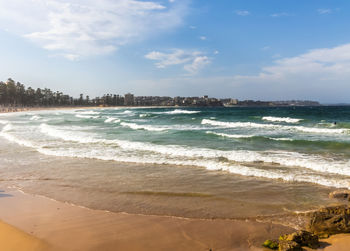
[(68, 227)]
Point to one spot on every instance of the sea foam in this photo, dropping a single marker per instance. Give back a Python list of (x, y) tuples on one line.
[(112, 120), (281, 119), (179, 111), (143, 127), (273, 126), (235, 136)]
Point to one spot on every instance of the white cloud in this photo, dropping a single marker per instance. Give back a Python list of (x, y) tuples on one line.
[(242, 12), (320, 74), (324, 11), (192, 61), (265, 48), (197, 64), (77, 29), (280, 14), (203, 38)]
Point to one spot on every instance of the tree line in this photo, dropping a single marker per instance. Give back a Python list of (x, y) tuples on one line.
[(15, 94)]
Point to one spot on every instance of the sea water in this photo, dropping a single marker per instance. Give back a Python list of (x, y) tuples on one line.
[(192, 162)]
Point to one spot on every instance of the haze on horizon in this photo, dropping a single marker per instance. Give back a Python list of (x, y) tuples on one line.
[(245, 49)]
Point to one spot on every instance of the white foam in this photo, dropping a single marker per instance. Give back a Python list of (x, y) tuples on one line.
[(7, 127), (281, 119), (68, 135), (179, 111), (281, 139), (285, 175), (112, 120), (12, 138), (143, 127), (289, 159), (3, 122), (86, 116), (235, 136), (87, 112), (273, 126), (237, 124), (35, 117), (143, 115)]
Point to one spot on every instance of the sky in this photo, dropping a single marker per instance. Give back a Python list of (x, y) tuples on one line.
[(245, 49)]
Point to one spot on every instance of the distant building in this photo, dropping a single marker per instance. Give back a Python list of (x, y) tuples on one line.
[(129, 99)]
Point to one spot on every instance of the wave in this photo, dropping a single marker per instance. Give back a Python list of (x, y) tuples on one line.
[(273, 126), (281, 119), (86, 116), (87, 112), (281, 139), (4, 133), (235, 136), (7, 127), (279, 174), (231, 161), (143, 127), (112, 120), (3, 122), (144, 115), (287, 159), (179, 111), (68, 135), (35, 117)]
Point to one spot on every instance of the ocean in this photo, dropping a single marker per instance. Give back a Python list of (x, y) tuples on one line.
[(188, 162)]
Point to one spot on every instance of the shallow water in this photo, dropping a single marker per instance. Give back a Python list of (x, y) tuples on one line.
[(207, 163)]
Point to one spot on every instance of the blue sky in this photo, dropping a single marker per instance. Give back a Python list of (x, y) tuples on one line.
[(247, 49)]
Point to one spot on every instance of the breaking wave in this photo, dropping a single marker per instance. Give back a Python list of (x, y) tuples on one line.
[(272, 126), (112, 120), (281, 119), (143, 127)]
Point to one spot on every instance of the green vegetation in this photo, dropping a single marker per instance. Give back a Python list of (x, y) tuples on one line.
[(17, 95), (271, 244)]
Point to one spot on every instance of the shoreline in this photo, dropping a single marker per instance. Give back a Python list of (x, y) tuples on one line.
[(47, 217)]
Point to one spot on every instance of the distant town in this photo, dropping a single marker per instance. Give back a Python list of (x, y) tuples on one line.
[(15, 94)]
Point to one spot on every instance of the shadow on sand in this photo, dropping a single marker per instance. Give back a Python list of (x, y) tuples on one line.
[(3, 194)]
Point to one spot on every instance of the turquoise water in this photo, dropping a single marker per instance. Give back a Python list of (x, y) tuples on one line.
[(286, 147)]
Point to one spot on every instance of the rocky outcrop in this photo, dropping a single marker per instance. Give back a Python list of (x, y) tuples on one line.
[(285, 245), (294, 241), (303, 238), (340, 194), (329, 220)]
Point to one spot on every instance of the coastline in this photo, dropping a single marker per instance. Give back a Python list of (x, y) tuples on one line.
[(139, 231)]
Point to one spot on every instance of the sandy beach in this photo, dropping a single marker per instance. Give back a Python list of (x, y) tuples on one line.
[(68, 227), (39, 223), (34, 222)]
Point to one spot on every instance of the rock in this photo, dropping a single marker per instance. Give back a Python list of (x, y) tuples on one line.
[(303, 238), (285, 245), (340, 194), (271, 244), (329, 220)]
